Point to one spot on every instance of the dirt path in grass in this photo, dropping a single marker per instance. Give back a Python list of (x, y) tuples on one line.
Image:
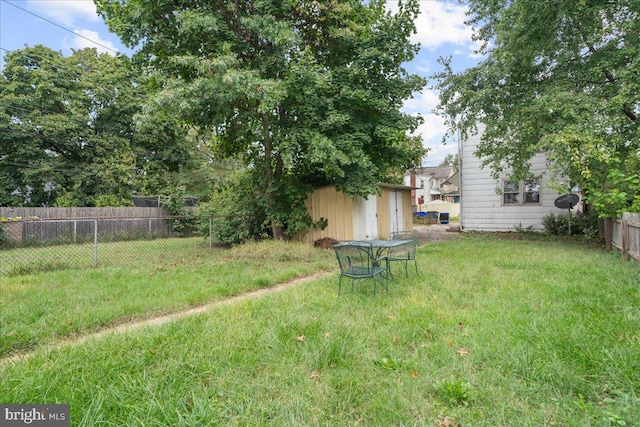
[(156, 321)]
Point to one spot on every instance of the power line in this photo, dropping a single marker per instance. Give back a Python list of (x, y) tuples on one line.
[(60, 26)]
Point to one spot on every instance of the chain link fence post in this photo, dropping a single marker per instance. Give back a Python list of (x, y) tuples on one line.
[(210, 236), (95, 243)]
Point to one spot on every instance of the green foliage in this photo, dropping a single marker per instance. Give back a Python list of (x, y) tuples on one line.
[(585, 224), (183, 222), (111, 200), (40, 266), (66, 200), (236, 213), (560, 78), (451, 159), (71, 128), (4, 239), (305, 94), (454, 391)]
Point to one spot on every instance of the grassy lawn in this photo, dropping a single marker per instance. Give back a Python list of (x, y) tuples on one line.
[(40, 308), (490, 333)]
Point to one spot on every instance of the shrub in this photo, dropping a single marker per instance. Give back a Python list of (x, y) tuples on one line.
[(183, 223), (235, 216), (581, 224), (3, 236), (109, 200), (556, 225)]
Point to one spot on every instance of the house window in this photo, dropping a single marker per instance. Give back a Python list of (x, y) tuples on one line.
[(422, 183), (521, 192)]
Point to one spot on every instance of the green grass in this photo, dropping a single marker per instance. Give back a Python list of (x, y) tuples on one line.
[(40, 308), (35, 259), (490, 333)]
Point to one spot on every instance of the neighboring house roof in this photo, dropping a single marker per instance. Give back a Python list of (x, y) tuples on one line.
[(454, 179), (436, 172)]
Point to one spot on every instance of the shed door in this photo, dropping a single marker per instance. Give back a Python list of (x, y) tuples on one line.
[(395, 210), (365, 218), (371, 218)]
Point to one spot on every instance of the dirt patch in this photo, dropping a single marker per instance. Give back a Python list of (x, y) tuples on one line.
[(437, 232)]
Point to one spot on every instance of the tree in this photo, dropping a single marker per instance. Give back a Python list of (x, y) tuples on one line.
[(450, 159), (68, 130), (304, 92), (561, 77)]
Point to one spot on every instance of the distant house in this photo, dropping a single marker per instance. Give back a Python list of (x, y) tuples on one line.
[(357, 218), (433, 184), (488, 204)]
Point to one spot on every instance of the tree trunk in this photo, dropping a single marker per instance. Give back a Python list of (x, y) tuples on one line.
[(276, 229), (278, 232)]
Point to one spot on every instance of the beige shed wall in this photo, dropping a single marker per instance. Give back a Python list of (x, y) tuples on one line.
[(384, 217), (337, 208)]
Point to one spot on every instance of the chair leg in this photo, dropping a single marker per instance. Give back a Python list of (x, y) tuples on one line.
[(339, 284)]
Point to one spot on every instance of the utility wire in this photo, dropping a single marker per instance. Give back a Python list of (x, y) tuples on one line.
[(60, 26)]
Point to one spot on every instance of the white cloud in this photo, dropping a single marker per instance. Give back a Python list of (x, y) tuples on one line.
[(66, 12), (89, 38), (431, 130), (439, 152), (422, 102), (442, 22), (433, 127)]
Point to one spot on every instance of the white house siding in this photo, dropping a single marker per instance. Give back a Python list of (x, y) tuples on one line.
[(481, 206)]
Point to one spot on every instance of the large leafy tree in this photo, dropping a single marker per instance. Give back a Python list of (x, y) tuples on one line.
[(558, 76), (69, 134), (303, 91)]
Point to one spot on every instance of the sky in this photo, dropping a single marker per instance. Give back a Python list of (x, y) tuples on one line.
[(63, 25)]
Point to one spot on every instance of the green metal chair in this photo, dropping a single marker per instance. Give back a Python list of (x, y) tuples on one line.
[(357, 262), (404, 253)]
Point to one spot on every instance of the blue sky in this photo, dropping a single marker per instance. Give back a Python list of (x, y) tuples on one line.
[(440, 32)]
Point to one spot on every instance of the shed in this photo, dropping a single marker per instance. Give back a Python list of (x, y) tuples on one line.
[(357, 218)]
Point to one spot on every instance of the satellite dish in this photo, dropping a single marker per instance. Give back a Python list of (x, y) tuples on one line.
[(566, 201)]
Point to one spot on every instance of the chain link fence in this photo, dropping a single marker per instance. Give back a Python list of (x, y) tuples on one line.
[(32, 245)]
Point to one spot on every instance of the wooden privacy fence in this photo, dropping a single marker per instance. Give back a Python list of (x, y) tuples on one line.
[(626, 236), (66, 213), (76, 225), (80, 230)]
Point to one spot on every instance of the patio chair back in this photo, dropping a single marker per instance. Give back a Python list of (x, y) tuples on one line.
[(357, 262), (404, 253)]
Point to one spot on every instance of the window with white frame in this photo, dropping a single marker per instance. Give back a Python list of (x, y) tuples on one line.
[(525, 192)]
